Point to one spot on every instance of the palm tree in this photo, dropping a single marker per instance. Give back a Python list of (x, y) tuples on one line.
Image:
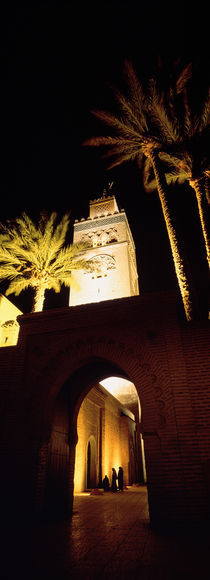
[(184, 151), (137, 136), (35, 256)]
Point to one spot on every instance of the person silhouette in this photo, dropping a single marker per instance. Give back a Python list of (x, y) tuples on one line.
[(114, 480), (105, 483), (120, 479)]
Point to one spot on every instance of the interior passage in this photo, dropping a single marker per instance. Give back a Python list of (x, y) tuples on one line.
[(109, 536)]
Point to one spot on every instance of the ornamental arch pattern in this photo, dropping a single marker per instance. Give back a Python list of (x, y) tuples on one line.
[(50, 374)]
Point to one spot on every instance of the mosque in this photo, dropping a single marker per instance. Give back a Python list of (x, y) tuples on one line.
[(114, 379)]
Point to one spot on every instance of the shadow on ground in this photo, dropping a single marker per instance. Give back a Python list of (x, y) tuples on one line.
[(109, 536)]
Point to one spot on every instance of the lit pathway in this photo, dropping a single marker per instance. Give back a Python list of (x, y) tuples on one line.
[(109, 537)]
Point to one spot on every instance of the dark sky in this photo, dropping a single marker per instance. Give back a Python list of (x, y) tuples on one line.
[(57, 60)]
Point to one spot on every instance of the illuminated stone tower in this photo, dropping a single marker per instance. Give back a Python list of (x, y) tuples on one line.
[(111, 245)]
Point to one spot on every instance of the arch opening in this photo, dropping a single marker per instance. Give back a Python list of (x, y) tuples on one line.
[(93, 430), (111, 414)]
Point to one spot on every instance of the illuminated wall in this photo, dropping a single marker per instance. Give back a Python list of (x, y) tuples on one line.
[(88, 425), (111, 244), (9, 327), (100, 419), (119, 434)]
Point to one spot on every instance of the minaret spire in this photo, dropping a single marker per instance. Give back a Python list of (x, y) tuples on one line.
[(111, 244)]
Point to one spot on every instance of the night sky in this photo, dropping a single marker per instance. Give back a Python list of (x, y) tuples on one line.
[(57, 62)]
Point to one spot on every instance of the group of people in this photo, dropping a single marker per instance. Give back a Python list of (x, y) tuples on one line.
[(115, 477)]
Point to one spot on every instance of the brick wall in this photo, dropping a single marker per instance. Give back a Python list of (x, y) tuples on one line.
[(141, 339), (195, 343)]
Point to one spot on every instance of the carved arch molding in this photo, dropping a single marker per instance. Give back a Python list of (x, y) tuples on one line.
[(47, 371)]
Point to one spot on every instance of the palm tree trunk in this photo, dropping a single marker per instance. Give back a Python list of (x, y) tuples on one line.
[(186, 291), (198, 186), (39, 299)]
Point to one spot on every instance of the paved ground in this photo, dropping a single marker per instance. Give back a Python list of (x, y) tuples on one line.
[(109, 536)]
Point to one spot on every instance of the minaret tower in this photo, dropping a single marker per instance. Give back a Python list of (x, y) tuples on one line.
[(111, 245)]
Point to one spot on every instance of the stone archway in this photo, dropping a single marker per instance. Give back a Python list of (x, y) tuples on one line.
[(79, 360), (59, 453), (142, 337), (92, 369)]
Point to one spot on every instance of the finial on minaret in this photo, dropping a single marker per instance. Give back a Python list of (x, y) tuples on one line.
[(107, 189), (104, 204)]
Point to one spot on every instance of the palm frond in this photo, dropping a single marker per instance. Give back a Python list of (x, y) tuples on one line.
[(183, 78), (17, 286), (126, 158), (171, 158), (113, 141), (96, 141), (46, 223), (168, 129), (8, 272), (124, 128), (26, 229), (133, 147), (172, 175), (8, 256), (71, 282), (137, 96), (204, 118), (47, 227), (55, 284), (60, 233), (130, 114), (75, 250), (172, 178)]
